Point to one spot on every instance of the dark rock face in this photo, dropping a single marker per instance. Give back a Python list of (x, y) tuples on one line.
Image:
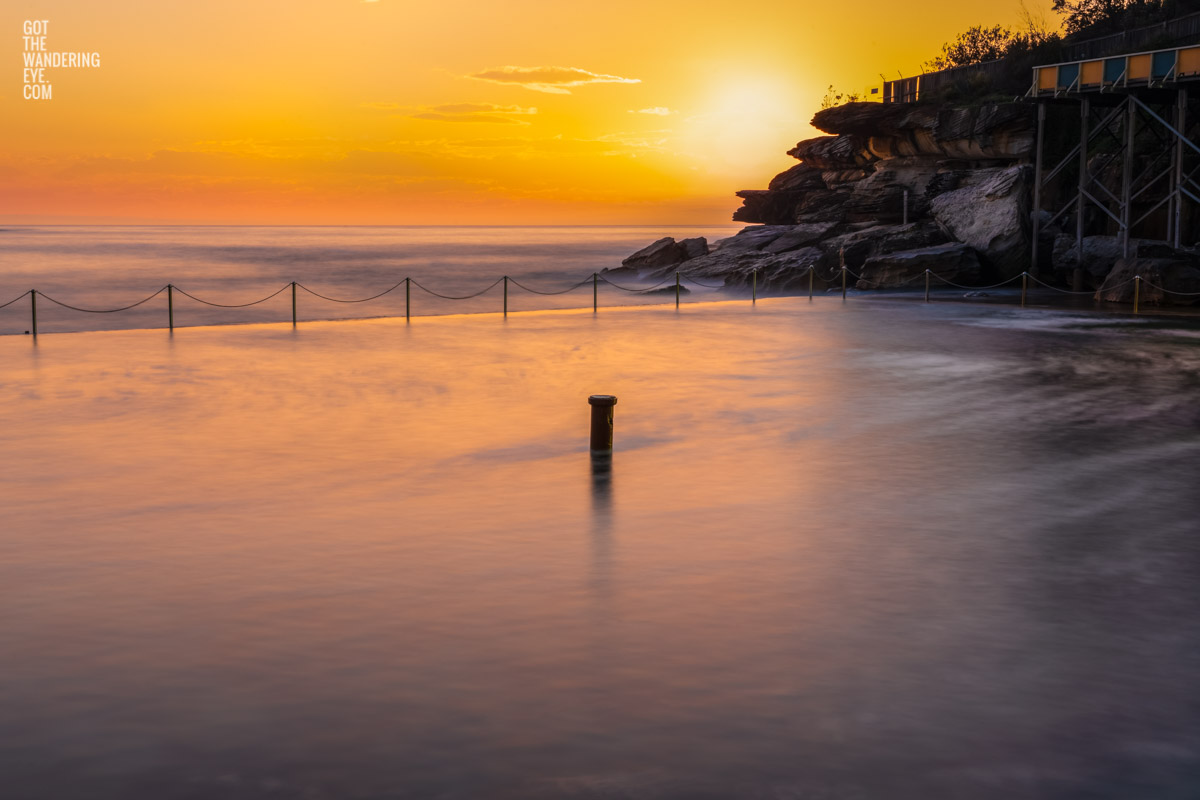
[(955, 262), (1161, 279), (958, 175), (856, 247), (801, 177), (768, 206), (694, 248), (664, 253)]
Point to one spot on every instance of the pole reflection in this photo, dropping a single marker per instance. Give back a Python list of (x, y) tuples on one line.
[(602, 488)]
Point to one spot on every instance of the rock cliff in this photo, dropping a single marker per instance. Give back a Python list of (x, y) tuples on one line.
[(894, 190)]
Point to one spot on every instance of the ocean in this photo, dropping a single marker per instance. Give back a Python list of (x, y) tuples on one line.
[(843, 550), (108, 267)]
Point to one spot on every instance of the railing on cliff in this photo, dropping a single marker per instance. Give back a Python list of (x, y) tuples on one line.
[(1171, 33)]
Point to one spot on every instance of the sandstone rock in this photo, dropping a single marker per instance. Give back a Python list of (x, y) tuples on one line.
[(801, 177), (799, 236), (991, 131), (1162, 278), (860, 245), (955, 262), (1100, 254), (832, 153), (694, 248), (767, 206), (776, 272), (991, 214), (662, 253), (755, 237)]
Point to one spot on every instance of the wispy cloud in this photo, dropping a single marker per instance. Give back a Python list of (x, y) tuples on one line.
[(551, 80), (476, 112), (658, 111)]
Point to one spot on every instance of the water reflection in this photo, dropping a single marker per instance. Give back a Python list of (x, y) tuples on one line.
[(895, 552), (602, 522)]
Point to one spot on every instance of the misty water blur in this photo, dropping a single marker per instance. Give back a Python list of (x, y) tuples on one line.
[(843, 551), (108, 267)]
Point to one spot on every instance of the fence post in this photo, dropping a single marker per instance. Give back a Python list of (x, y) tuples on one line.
[(842, 264), (33, 309), (602, 423), (293, 304), (595, 292), (170, 309), (1024, 287), (753, 286), (926, 286), (1137, 287), (676, 288), (407, 282), (506, 295)]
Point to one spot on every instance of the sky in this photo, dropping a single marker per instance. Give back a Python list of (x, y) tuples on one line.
[(389, 112)]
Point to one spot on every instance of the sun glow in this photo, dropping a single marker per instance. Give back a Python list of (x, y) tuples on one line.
[(392, 113)]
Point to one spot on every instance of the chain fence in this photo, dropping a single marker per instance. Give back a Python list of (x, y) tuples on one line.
[(595, 279)]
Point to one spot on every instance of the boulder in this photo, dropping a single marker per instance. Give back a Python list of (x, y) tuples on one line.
[(990, 212), (662, 253), (1100, 255), (694, 248), (954, 262), (1171, 281)]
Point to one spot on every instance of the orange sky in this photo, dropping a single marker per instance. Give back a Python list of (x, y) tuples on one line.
[(455, 112)]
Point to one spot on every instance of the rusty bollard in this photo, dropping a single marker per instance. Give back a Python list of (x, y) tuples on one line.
[(602, 423)]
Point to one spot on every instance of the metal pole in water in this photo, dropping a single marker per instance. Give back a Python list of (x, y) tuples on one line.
[(407, 282), (926, 286), (842, 264), (595, 292), (170, 309), (753, 286), (905, 217), (677, 288), (602, 423), (506, 295), (33, 309), (1024, 287), (1137, 287), (293, 304), (811, 270)]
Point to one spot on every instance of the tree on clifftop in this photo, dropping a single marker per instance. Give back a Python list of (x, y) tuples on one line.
[(1099, 17), (973, 46)]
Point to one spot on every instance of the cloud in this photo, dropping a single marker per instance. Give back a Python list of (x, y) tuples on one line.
[(476, 112), (494, 118), (658, 111), (551, 80)]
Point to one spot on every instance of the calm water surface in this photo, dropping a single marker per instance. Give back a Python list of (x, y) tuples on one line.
[(873, 550)]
